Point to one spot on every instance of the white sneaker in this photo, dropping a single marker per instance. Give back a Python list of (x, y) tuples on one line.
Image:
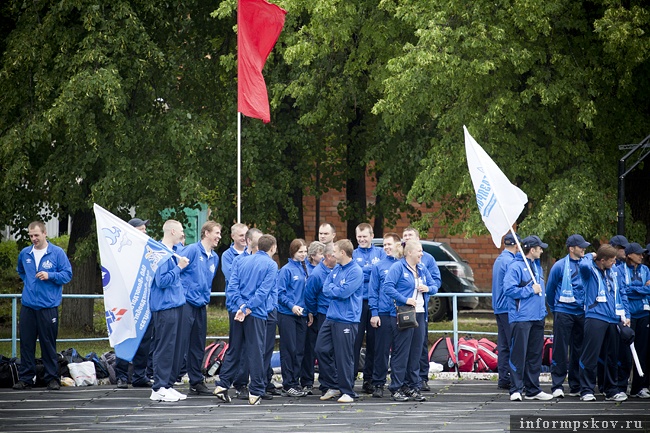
[(177, 394), (619, 396), (540, 396), (642, 394), (331, 393), (558, 393), (588, 397), (515, 396), (254, 399), (163, 394), (345, 399)]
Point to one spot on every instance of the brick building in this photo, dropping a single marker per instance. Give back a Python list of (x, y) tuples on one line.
[(479, 251)]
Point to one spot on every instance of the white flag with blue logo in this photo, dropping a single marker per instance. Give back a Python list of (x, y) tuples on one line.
[(499, 201), (129, 260)]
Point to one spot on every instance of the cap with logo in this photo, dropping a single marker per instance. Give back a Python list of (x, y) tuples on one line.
[(577, 241), (533, 241)]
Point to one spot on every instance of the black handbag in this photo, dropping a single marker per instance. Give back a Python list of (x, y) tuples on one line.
[(406, 317)]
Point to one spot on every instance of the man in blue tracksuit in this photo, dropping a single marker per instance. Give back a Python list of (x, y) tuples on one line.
[(382, 312), (500, 307), (197, 281), (335, 344), (250, 286), (429, 262), (565, 296), (606, 308), (526, 313), (44, 269), (316, 305), (634, 278), (166, 301), (238, 246), (366, 256)]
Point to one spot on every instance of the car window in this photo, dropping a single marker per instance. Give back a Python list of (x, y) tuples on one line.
[(438, 253)]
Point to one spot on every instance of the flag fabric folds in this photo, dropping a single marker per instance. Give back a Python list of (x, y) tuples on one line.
[(129, 259), (259, 24), (499, 201)]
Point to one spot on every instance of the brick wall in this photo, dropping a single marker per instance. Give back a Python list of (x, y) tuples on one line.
[(479, 251)]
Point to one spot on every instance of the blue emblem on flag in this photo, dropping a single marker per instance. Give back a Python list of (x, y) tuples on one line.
[(106, 277), (111, 234)]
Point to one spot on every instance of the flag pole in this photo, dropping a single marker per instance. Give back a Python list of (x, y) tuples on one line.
[(238, 166)]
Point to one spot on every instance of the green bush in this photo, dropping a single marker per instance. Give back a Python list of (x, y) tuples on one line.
[(61, 241), (8, 262)]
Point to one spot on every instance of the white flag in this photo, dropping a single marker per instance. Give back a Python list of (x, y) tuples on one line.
[(499, 201), (129, 261)]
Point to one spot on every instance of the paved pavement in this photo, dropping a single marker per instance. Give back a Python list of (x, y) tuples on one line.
[(453, 406)]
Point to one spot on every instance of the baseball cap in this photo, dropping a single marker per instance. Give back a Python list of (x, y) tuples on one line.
[(635, 248), (137, 222), (619, 241), (509, 239), (533, 241), (577, 241)]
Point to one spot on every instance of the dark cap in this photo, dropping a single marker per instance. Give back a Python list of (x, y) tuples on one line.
[(577, 241), (509, 239), (634, 248), (533, 241), (619, 241), (627, 334), (137, 222)]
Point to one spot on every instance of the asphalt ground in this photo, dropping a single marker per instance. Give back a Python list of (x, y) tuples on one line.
[(454, 405)]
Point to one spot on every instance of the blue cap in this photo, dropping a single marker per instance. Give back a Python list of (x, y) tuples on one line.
[(577, 241), (509, 239), (533, 241), (634, 248), (619, 241), (137, 222)]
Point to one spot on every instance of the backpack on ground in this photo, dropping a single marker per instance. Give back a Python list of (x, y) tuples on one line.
[(213, 357), (108, 358), (547, 351), (467, 354), (442, 352), (101, 369), (8, 372), (488, 358)]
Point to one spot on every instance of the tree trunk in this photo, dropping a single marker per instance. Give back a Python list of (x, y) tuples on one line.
[(76, 313)]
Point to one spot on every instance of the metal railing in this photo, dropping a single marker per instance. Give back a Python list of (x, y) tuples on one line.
[(454, 303)]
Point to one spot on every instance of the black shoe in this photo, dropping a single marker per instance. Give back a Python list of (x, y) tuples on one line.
[(200, 389), (308, 390), (141, 384), (121, 384), (22, 386), (273, 391), (378, 392), (368, 388), (293, 392), (425, 386), (267, 397), (504, 386), (242, 393), (53, 385), (398, 396), (415, 395)]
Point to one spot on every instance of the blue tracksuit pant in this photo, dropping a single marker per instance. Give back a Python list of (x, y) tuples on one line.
[(141, 360), (601, 338), (383, 342), (193, 332), (293, 332), (365, 329), (269, 346), (44, 325), (335, 353), (309, 357), (504, 336), (568, 333), (526, 356), (247, 340), (167, 356)]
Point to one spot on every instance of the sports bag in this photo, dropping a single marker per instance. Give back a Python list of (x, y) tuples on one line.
[(8, 372), (467, 354), (488, 358), (547, 351), (442, 352), (213, 357)]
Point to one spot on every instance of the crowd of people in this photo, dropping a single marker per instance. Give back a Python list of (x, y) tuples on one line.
[(599, 303), (330, 298)]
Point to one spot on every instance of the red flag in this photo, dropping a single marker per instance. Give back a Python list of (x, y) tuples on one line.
[(259, 24)]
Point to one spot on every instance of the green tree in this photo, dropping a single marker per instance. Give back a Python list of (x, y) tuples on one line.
[(106, 102), (540, 87)]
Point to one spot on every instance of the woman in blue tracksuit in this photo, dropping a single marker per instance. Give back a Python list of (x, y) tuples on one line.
[(526, 313), (408, 282), (292, 317)]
